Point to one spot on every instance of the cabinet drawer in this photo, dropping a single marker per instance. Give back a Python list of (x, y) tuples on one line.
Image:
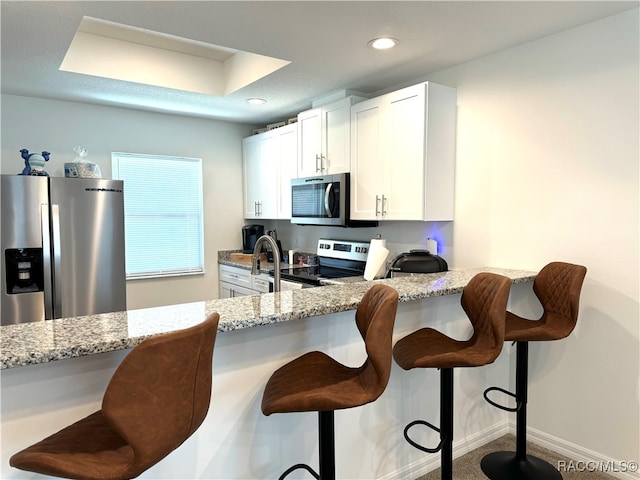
[(260, 283), (235, 276)]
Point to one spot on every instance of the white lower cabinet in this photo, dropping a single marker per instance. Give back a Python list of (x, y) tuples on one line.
[(403, 155), (237, 282)]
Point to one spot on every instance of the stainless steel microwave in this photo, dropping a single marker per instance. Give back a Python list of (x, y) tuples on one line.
[(323, 200)]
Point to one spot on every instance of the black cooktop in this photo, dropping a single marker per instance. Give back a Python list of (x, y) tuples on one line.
[(312, 274)]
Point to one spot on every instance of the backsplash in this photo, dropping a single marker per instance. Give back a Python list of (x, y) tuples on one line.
[(400, 236)]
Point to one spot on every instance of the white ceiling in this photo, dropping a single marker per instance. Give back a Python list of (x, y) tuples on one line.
[(326, 42)]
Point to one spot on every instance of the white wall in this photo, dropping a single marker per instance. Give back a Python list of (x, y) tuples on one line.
[(37, 124), (547, 169)]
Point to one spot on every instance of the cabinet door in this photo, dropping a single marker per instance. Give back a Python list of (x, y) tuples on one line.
[(288, 168), (259, 168), (367, 159), (336, 137), (268, 175), (404, 169), (251, 183), (309, 142)]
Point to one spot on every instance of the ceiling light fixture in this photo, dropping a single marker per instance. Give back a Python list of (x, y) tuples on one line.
[(256, 101), (383, 43)]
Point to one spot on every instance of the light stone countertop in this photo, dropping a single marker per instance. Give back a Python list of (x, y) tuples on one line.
[(41, 342)]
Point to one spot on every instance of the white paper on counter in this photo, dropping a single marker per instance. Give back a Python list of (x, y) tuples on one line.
[(376, 258)]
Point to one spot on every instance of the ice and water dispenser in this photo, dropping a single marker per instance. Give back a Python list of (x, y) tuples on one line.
[(24, 270)]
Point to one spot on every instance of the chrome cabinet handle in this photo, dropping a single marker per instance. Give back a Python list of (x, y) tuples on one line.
[(384, 203), (318, 163), (323, 164), (377, 203)]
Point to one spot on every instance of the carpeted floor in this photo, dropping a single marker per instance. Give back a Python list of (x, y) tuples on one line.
[(467, 467)]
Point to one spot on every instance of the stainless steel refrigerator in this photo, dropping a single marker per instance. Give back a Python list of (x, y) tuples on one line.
[(62, 243)]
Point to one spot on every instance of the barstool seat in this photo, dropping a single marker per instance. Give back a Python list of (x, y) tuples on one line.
[(558, 287), (315, 382), (484, 300), (157, 398)]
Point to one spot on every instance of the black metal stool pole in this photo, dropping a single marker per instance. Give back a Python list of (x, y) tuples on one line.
[(522, 377), (326, 428), (446, 423)]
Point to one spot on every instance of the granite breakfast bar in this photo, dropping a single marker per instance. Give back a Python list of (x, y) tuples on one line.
[(52, 375)]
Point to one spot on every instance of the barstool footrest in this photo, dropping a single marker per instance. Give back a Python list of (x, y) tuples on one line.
[(511, 466), (497, 405), (417, 445), (297, 467)]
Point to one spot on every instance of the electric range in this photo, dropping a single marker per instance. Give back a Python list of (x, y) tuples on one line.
[(336, 259)]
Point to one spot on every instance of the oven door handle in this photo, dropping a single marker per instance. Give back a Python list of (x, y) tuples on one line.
[(327, 196)]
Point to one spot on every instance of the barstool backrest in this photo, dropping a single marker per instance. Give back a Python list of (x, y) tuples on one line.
[(558, 287), (375, 318), (484, 300), (160, 393)]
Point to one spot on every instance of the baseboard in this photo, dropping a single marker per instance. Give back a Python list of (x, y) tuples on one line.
[(585, 458), (460, 447)]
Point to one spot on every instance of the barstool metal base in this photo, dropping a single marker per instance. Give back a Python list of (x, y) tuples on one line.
[(508, 466), (445, 447), (327, 447)]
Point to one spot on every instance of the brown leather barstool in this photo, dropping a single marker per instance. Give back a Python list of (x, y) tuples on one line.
[(558, 287), (156, 399), (316, 382), (484, 300)]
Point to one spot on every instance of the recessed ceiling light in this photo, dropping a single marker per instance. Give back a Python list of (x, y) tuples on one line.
[(383, 43), (256, 101)]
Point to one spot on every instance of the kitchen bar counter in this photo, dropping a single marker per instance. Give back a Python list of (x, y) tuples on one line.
[(42, 342)]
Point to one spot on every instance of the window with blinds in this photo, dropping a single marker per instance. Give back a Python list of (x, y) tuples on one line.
[(163, 214)]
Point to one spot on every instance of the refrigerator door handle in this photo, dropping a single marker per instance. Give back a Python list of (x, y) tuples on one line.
[(46, 257), (57, 261)]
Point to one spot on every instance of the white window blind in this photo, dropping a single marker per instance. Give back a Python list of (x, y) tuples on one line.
[(163, 214)]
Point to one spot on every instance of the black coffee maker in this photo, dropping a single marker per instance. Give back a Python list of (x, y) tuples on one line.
[(250, 235)]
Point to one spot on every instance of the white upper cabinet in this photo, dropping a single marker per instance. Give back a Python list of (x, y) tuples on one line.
[(403, 155), (269, 164), (259, 176), (324, 133)]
